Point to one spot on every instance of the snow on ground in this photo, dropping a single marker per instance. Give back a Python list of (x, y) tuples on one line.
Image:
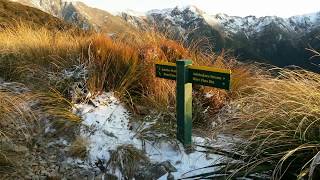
[(184, 162), (106, 126)]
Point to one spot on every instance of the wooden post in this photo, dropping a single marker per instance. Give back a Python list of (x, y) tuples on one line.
[(184, 103)]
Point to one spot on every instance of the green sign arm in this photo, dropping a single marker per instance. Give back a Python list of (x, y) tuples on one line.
[(209, 76), (166, 70)]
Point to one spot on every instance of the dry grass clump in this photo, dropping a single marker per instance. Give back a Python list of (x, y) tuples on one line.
[(209, 101), (154, 47), (127, 159), (57, 109), (113, 65), (16, 125), (124, 64), (27, 54), (78, 148), (279, 118), (20, 111), (158, 92), (127, 67), (10, 157), (15, 115), (33, 56)]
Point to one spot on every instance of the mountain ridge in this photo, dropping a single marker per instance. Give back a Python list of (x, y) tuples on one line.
[(12, 14), (270, 39), (78, 13)]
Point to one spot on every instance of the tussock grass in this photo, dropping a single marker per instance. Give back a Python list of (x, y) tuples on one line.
[(20, 115), (278, 118), (78, 148), (58, 110), (124, 64), (283, 119), (113, 65), (8, 158), (16, 124), (15, 115), (160, 93), (127, 159), (27, 54)]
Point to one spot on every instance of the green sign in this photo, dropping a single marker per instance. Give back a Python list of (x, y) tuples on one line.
[(202, 75), (166, 70), (208, 76), (185, 74)]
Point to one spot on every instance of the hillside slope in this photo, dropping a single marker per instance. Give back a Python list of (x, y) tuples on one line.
[(81, 15), (12, 13)]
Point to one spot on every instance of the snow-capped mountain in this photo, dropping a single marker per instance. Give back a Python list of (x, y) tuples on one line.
[(249, 25), (80, 14), (66, 10), (271, 39)]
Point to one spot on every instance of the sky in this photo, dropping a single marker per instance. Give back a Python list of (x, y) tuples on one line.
[(282, 8)]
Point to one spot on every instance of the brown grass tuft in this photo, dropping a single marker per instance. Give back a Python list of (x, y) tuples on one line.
[(279, 116), (113, 65), (127, 159), (78, 148), (27, 55)]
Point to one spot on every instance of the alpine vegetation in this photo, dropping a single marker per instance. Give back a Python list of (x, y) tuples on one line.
[(88, 94)]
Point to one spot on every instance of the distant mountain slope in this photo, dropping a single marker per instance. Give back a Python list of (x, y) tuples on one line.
[(273, 40), (270, 39), (81, 15), (12, 13)]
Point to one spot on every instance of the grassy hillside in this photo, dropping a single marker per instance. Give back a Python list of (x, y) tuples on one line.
[(274, 111), (277, 118), (12, 13), (83, 16), (55, 67)]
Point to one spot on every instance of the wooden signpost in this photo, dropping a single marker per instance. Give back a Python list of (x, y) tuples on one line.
[(185, 74)]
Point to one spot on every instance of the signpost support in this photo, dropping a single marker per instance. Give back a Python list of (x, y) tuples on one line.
[(185, 74), (184, 103)]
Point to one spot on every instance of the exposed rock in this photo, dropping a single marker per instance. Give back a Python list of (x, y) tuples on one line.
[(168, 166), (106, 176), (170, 177), (156, 171)]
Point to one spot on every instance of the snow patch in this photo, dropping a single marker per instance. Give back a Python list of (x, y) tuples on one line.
[(208, 95), (106, 125)]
